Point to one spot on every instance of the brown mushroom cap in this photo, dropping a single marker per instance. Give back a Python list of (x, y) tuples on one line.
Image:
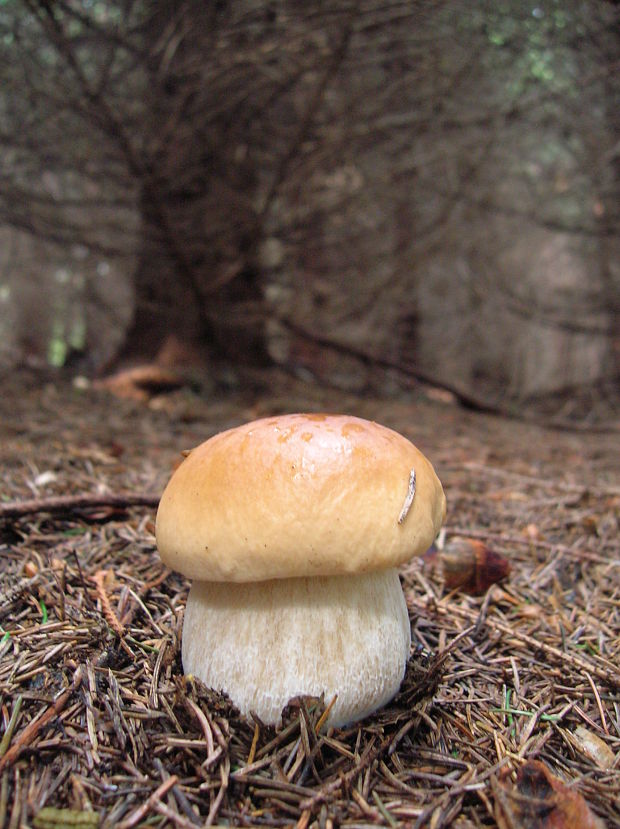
[(298, 495)]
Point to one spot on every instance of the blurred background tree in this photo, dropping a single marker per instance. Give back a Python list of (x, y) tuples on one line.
[(359, 191)]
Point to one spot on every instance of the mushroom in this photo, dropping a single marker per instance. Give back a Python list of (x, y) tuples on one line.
[(292, 528)]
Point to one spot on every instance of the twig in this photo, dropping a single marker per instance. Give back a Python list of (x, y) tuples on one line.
[(108, 612), (4, 797), (212, 752), (252, 753), (152, 803), (8, 734), (537, 482), (323, 718), (173, 816), (32, 729), (599, 704), (381, 807), (71, 503), (370, 754), (106, 607), (191, 819), (470, 399), (11, 594), (609, 673), (224, 770), (315, 100), (127, 617), (504, 538)]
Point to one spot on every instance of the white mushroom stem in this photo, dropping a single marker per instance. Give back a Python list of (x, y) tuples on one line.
[(266, 642)]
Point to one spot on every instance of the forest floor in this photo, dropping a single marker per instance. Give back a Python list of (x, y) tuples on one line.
[(510, 709)]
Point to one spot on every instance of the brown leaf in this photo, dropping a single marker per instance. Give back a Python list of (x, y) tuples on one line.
[(594, 747), (539, 800), (140, 382)]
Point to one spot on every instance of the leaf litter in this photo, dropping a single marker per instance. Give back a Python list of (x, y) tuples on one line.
[(98, 726)]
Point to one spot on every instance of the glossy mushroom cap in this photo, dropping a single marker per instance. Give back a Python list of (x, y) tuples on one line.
[(298, 495)]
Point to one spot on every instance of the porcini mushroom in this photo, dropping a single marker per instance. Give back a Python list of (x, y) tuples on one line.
[(292, 528)]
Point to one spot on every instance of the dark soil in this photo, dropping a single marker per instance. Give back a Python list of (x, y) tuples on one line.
[(98, 726)]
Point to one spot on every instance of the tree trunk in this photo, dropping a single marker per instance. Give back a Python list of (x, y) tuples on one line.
[(196, 276)]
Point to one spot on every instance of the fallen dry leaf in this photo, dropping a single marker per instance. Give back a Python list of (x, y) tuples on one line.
[(539, 800), (593, 747), (140, 382)]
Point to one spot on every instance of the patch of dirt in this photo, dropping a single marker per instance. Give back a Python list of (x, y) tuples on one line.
[(97, 718)]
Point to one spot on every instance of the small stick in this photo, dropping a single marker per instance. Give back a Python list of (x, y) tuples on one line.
[(69, 503), (108, 612), (325, 715), (304, 820), (597, 697), (175, 817), (380, 806), (4, 797), (8, 734), (106, 606), (31, 730), (503, 538), (371, 752), (152, 802), (220, 795), (409, 497), (127, 617), (212, 753), (252, 753)]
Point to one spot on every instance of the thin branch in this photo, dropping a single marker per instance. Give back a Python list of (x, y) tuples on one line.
[(312, 108), (151, 803), (75, 503), (106, 119), (26, 736), (106, 606), (466, 397)]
